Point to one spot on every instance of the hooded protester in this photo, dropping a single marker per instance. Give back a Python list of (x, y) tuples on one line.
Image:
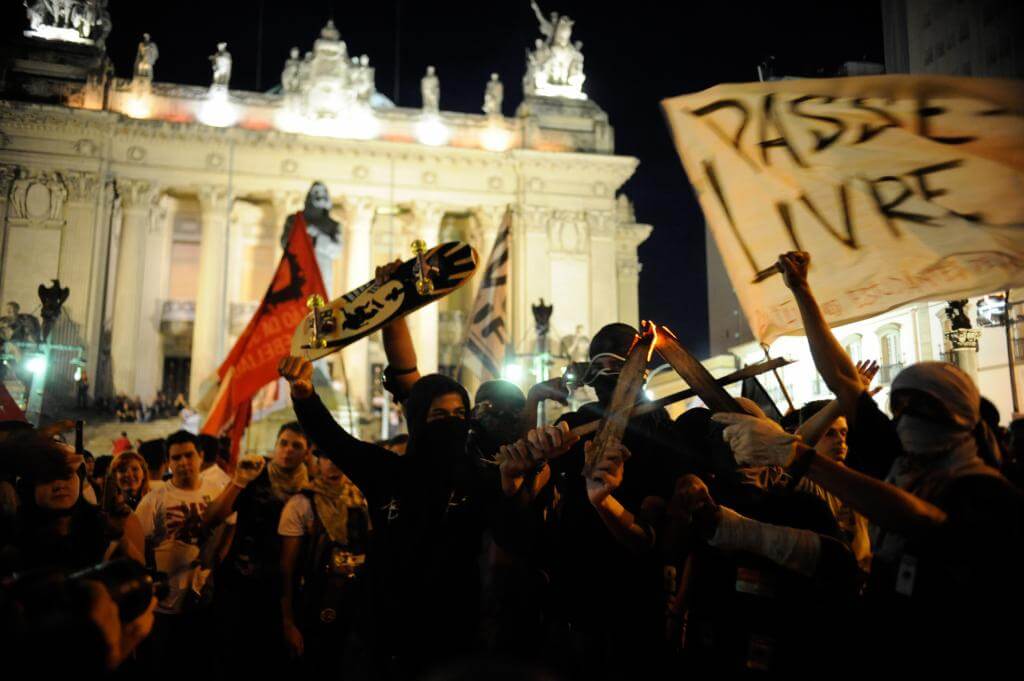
[(428, 509), (577, 539), (496, 417)]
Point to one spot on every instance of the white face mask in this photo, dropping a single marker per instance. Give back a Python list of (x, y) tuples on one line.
[(319, 198), (919, 436)]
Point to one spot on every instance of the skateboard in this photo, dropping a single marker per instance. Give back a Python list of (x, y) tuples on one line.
[(430, 275)]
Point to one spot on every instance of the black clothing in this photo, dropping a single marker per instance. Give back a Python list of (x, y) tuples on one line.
[(26, 543), (944, 593), (428, 512), (584, 555)]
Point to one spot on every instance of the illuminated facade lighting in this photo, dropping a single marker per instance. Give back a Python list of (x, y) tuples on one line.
[(432, 132), (495, 138)]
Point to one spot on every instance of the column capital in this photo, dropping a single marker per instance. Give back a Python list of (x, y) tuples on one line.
[(285, 202), (360, 211), (81, 185), (213, 198), (137, 194)]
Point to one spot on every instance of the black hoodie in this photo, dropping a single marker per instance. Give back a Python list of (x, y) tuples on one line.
[(428, 510)]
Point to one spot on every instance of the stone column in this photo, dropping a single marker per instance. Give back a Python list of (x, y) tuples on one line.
[(358, 257), (530, 269), (423, 323), (627, 237), (157, 257), (137, 199), (605, 293), (210, 328), (7, 175), (75, 266)]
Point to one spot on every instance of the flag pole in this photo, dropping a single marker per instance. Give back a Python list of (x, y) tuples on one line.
[(778, 378), (1010, 363)]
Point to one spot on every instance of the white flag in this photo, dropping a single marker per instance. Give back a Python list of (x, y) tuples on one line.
[(902, 188), (487, 336)]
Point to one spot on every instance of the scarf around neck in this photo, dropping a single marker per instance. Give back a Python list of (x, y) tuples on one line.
[(332, 503), (286, 483)]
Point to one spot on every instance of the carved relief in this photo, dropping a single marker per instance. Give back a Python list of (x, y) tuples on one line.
[(428, 178), (38, 196), (360, 172), (136, 154), (86, 147), (214, 160), (213, 198), (289, 166), (7, 175), (567, 232), (495, 183)]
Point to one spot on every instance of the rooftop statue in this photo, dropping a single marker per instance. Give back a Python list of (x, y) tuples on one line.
[(146, 58), (494, 93), (430, 89), (555, 66), (76, 21), (221, 63), (327, 84)]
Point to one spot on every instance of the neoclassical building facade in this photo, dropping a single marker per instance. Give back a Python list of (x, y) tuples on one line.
[(161, 208)]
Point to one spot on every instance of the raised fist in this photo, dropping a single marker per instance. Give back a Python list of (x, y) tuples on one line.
[(298, 371)]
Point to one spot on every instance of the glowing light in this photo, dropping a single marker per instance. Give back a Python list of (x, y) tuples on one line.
[(649, 394), (138, 107), (217, 111), (432, 132), (512, 372), (36, 364), (78, 374), (495, 138), (361, 125)]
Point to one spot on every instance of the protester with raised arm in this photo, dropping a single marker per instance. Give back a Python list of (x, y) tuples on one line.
[(947, 528)]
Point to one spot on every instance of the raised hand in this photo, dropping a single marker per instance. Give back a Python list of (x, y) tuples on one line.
[(298, 371), (551, 442), (692, 503), (603, 478), (248, 469), (551, 389), (867, 369), (384, 272), (794, 266), (757, 441)]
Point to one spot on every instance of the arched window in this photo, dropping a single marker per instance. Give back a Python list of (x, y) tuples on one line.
[(891, 359)]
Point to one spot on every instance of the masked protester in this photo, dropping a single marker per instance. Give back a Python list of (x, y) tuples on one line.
[(428, 510), (496, 418), (578, 540)]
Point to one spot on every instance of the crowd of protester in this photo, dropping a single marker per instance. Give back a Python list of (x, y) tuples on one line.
[(481, 546), (133, 410)]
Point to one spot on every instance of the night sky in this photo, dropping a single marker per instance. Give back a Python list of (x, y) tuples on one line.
[(637, 53)]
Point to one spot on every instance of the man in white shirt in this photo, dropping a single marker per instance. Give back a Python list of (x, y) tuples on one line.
[(183, 548), (215, 461)]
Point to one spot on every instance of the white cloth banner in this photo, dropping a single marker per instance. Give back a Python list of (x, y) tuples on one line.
[(902, 188)]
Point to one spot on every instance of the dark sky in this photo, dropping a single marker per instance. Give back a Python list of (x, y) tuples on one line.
[(637, 53)]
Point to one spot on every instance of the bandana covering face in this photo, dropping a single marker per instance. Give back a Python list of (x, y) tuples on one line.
[(286, 483)]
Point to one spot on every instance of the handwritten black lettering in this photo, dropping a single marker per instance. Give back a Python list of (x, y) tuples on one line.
[(925, 112), (868, 131), (734, 140), (770, 119), (712, 175), (888, 209), (821, 140)]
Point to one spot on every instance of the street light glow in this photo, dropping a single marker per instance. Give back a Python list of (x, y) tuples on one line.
[(36, 364), (512, 372)]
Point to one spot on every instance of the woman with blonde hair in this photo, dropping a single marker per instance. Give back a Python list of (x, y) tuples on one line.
[(127, 482)]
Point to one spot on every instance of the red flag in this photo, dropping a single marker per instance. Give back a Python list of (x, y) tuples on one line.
[(9, 410), (252, 362)]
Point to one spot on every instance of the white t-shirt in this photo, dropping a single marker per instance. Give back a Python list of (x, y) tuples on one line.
[(215, 475), (296, 517), (162, 514)]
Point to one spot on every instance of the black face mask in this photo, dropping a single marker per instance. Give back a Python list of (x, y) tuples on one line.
[(492, 430), (604, 386), (442, 440)]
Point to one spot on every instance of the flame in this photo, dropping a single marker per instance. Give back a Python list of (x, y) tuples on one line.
[(654, 341)]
